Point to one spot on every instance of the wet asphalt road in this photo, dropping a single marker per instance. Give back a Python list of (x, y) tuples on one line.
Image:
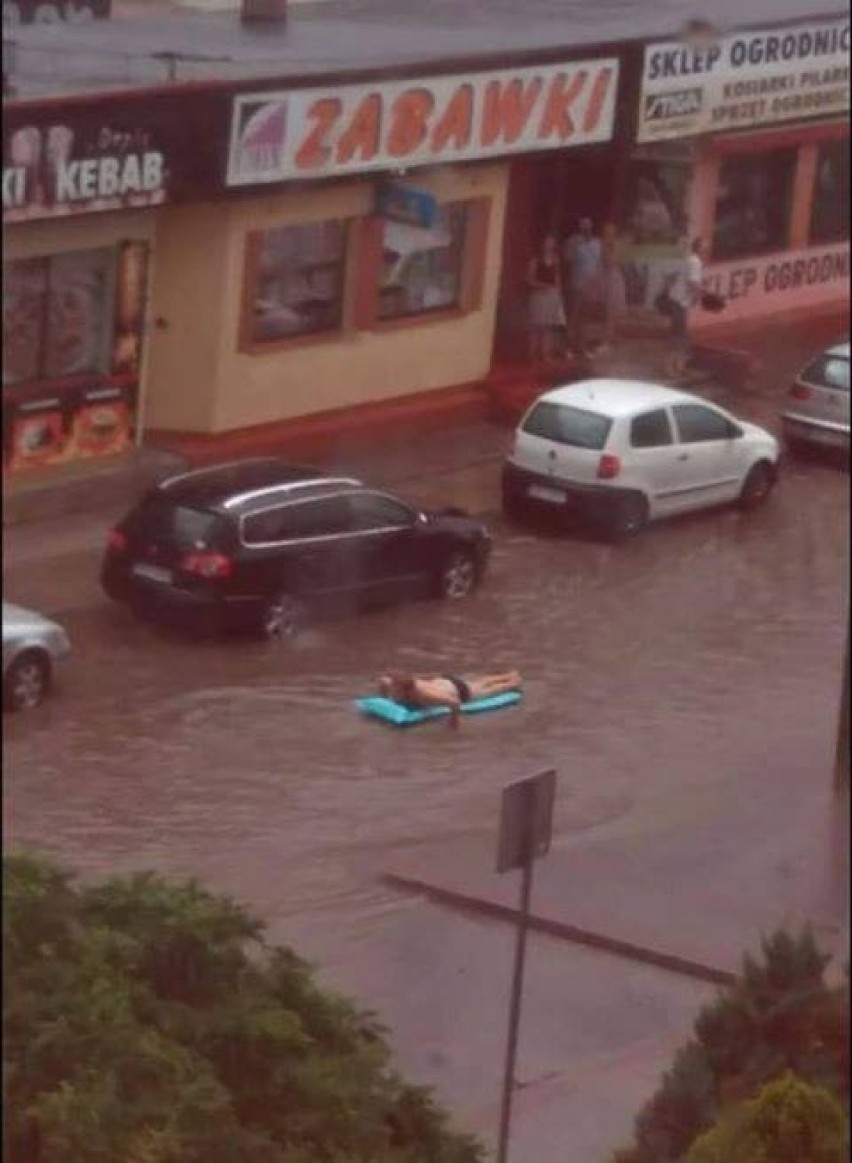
[(230, 759), (647, 667)]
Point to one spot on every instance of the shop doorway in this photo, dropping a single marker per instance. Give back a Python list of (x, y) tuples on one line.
[(548, 193)]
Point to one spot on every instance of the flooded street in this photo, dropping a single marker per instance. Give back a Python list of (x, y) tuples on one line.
[(648, 668), (662, 678)]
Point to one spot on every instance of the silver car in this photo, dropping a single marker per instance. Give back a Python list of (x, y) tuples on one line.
[(32, 645), (817, 410)]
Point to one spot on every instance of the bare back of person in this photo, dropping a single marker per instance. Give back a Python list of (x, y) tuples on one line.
[(444, 690)]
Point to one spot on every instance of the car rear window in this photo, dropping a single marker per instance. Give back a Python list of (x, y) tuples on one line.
[(828, 371), (568, 425), (176, 525)]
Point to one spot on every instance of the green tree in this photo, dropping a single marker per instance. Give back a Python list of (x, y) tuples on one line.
[(148, 1021), (778, 1015), (790, 1121)]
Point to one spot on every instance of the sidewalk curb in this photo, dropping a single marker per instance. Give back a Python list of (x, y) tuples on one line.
[(104, 492), (564, 931)]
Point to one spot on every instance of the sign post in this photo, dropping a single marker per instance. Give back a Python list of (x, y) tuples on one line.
[(841, 753), (526, 825)]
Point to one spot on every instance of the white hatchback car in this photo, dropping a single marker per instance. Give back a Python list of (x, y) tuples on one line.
[(622, 453)]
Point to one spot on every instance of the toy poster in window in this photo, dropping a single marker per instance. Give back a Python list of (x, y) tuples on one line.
[(38, 438), (129, 307), (101, 425), (79, 314)]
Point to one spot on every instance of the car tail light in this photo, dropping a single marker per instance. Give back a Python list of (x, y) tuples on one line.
[(206, 564), (609, 466), (800, 392), (116, 541)]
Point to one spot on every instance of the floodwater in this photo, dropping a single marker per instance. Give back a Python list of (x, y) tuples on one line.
[(649, 668)]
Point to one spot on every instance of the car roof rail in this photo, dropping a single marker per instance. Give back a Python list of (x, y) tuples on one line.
[(210, 468), (287, 487)]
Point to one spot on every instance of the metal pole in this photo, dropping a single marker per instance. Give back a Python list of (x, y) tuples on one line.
[(515, 1005), (841, 754)]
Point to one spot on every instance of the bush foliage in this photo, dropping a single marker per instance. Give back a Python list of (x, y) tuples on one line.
[(790, 1121), (779, 1016), (147, 1021)]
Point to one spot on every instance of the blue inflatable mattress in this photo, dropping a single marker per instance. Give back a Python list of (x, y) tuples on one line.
[(400, 716)]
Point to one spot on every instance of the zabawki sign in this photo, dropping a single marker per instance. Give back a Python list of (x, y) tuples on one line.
[(745, 80), (388, 126)]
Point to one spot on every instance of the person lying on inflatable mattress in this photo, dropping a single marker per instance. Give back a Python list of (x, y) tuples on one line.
[(445, 690)]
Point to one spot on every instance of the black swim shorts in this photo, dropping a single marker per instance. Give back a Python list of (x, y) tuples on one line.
[(464, 691)]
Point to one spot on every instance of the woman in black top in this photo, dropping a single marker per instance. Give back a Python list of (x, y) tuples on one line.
[(546, 309)]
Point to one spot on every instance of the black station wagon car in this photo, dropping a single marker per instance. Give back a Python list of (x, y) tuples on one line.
[(261, 545)]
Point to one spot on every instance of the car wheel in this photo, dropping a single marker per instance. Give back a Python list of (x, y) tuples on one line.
[(459, 576), (27, 681), (282, 618), (628, 516), (757, 486)]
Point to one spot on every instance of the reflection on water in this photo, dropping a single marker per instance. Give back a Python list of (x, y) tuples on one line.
[(650, 669)]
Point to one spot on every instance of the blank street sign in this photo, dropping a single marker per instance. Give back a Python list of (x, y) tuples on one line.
[(526, 820)]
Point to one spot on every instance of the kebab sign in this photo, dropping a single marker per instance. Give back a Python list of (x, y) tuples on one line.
[(51, 171), (310, 133)]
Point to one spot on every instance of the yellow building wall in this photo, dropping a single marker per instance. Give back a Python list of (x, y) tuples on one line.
[(201, 381), (186, 317), (82, 232)]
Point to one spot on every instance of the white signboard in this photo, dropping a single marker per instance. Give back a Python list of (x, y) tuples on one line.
[(754, 78), (312, 133), (804, 279)]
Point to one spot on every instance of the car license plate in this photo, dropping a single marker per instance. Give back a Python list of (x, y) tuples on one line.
[(154, 573), (543, 493)]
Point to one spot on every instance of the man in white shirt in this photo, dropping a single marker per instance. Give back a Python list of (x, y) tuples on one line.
[(684, 291)]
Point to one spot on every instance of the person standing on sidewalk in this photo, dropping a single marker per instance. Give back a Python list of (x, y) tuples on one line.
[(584, 258), (546, 308), (683, 293), (614, 290)]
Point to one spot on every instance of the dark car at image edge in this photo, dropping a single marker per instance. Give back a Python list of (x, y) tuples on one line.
[(261, 545)]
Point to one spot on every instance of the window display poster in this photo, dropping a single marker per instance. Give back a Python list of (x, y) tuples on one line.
[(656, 202), (72, 424), (130, 295), (298, 281), (655, 228), (77, 398)]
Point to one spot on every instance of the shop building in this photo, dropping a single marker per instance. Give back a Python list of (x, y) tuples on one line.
[(84, 182), (199, 260), (744, 142), (357, 258), (328, 248)]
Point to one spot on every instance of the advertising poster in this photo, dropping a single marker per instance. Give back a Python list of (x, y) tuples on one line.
[(654, 230), (87, 407), (752, 78)]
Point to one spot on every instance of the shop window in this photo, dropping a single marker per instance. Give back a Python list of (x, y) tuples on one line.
[(57, 316), (656, 202), (295, 281), (423, 267), (753, 204), (830, 208)]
